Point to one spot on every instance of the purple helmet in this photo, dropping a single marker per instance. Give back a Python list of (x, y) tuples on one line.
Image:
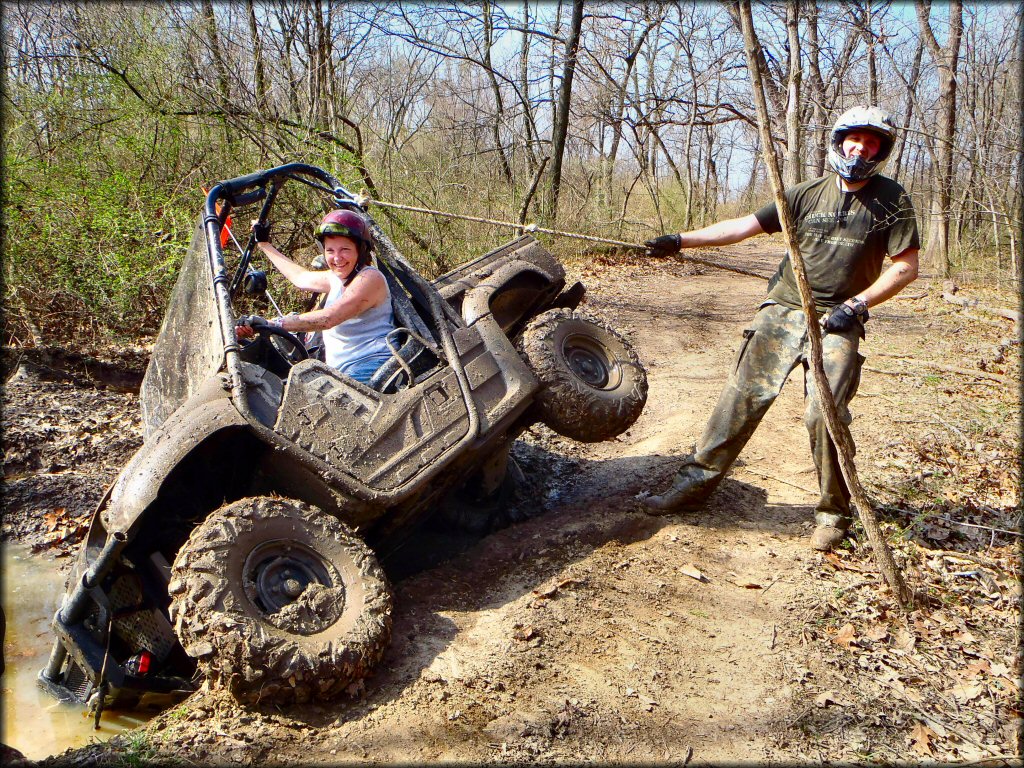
[(345, 224)]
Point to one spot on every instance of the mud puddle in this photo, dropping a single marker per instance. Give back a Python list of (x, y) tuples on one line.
[(33, 721)]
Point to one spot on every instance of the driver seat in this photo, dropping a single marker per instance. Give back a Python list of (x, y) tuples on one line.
[(417, 342)]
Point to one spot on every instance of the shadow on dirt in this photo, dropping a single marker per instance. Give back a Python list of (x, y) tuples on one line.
[(578, 506), (123, 374)]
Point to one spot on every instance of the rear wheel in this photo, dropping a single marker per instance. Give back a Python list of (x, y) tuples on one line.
[(279, 602), (593, 386)]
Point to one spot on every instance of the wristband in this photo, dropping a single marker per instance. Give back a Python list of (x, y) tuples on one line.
[(859, 306)]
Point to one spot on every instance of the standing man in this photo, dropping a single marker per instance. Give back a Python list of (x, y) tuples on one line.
[(846, 222)]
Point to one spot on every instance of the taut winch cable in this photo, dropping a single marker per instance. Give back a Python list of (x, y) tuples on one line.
[(363, 200)]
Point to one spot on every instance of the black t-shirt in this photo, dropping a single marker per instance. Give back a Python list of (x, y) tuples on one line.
[(843, 237)]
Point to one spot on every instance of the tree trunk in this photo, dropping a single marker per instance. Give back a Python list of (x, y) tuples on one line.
[(259, 72), (618, 110), (915, 74), (524, 92), (561, 125), (946, 60), (816, 86), (866, 22), (499, 104), (793, 163), (213, 40), (1017, 204)]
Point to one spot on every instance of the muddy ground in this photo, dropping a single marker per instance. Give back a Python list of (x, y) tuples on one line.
[(591, 631)]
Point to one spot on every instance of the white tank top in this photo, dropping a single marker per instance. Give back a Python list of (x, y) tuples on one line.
[(361, 335)]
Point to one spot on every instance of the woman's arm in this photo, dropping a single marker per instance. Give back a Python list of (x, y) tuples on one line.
[(301, 278), (367, 290)]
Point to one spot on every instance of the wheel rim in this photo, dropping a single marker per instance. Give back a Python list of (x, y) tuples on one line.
[(590, 362), (277, 578)]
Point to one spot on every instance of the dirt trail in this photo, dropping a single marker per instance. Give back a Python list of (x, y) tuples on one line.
[(592, 631)]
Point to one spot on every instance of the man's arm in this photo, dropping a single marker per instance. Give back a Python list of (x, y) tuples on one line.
[(901, 273), (724, 232)]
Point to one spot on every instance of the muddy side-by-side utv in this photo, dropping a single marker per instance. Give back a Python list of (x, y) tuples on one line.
[(241, 541)]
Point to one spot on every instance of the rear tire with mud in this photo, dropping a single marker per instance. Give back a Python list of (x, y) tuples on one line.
[(279, 602), (593, 386)]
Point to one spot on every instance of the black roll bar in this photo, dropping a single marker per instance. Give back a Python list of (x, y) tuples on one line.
[(245, 190)]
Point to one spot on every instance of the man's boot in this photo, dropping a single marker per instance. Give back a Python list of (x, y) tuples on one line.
[(682, 495), (826, 537)]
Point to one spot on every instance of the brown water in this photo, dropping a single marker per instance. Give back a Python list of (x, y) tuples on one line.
[(33, 721)]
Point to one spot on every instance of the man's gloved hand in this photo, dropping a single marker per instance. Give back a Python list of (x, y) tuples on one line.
[(843, 317), (261, 231), (665, 245)]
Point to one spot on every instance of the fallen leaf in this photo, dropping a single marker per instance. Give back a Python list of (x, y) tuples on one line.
[(551, 591), (876, 633), (826, 698), (747, 584), (693, 572), (976, 668), (967, 691), (921, 737), (839, 564), (904, 640), (965, 637), (525, 633), (846, 637)]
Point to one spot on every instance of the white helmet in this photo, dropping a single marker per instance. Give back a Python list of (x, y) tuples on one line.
[(868, 118)]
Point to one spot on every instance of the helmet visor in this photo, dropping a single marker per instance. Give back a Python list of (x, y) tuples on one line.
[(333, 229)]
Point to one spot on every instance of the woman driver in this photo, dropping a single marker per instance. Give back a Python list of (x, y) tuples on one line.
[(356, 315)]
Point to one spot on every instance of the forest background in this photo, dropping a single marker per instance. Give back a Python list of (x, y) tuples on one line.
[(621, 120)]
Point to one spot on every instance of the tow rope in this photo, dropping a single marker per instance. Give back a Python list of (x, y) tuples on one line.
[(363, 200)]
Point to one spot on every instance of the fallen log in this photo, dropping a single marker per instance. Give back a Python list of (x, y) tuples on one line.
[(1009, 314), (940, 367)]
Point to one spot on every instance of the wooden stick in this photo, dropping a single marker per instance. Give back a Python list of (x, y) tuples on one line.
[(948, 368), (837, 431)]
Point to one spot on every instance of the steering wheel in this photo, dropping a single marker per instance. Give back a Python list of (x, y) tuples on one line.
[(299, 352)]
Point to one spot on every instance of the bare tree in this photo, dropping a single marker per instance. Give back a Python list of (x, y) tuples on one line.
[(946, 59), (560, 128)]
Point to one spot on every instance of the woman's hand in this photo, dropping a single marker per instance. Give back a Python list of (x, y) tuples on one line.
[(247, 325), (261, 231)]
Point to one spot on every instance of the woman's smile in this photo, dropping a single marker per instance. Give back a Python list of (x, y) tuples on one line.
[(341, 254)]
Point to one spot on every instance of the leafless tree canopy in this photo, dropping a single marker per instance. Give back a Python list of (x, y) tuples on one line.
[(620, 119)]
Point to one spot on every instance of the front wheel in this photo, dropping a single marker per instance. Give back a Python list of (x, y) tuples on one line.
[(593, 386), (279, 602)]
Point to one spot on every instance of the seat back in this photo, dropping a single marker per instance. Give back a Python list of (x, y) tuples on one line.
[(418, 357)]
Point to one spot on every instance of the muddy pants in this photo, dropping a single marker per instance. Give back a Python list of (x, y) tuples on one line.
[(773, 346)]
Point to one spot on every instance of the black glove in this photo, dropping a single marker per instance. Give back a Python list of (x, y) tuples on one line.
[(843, 317), (665, 245), (261, 231), (253, 321)]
